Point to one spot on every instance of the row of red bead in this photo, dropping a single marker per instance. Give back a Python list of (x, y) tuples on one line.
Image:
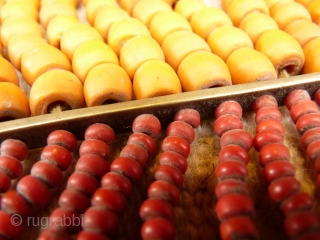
[(101, 220), (157, 211), (234, 209), (33, 191), (300, 221), (82, 183)]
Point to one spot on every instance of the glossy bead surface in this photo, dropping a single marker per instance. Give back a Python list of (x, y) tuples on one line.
[(143, 140), (11, 166), (13, 202), (95, 147), (270, 125), (5, 182), (277, 169), (268, 113), (296, 96), (62, 138), (228, 107), (152, 208), (309, 136), (158, 228), (265, 138), (226, 123), (273, 152), (100, 132), (238, 227), (237, 137), (301, 108), (308, 121), (189, 116), (147, 124), (174, 159), (265, 101), (93, 164), (176, 144), (58, 155), (182, 130), (297, 202), (48, 173), (162, 190), (127, 167), (170, 174), (282, 188), (233, 152), (65, 221), (14, 148), (74, 200), (135, 152), (83, 182), (9, 227), (313, 150), (117, 182), (231, 186), (232, 169)]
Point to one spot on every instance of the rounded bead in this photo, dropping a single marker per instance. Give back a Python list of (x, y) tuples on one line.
[(176, 144), (100, 131), (296, 203), (189, 116), (301, 108), (313, 150), (11, 166), (231, 186), (174, 159), (308, 121), (143, 140), (270, 125), (238, 137), (265, 138), (232, 169), (48, 173), (163, 190), (135, 152), (93, 164), (14, 148), (268, 113), (117, 182), (14, 203), (226, 123), (58, 155), (273, 152), (147, 124), (83, 182), (310, 136), (158, 228), (182, 130), (296, 96), (265, 101), (278, 169), (74, 200), (232, 205), (5, 182), (228, 107), (62, 138), (128, 167), (50, 233), (95, 147), (235, 153), (170, 174), (153, 208), (282, 188), (10, 227), (87, 235), (65, 221), (34, 190)]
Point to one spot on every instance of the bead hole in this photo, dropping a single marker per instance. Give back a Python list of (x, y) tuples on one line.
[(58, 106), (6, 118), (109, 101)]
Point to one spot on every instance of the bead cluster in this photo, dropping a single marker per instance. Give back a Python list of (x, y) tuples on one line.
[(300, 221), (83, 182), (234, 209), (157, 211), (33, 191)]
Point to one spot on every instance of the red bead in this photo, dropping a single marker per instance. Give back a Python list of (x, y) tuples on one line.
[(277, 169), (5, 182), (308, 121), (58, 155), (14, 148), (238, 227), (231, 186), (85, 235), (65, 221), (296, 96), (273, 152), (228, 107), (54, 234), (232, 169), (135, 152), (265, 101), (48, 173), (148, 124), (95, 147), (109, 200), (226, 123), (313, 150), (316, 96), (14, 203), (189, 116), (100, 131), (282, 188), (83, 182), (309, 136), (238, 137), (93, 164), (158, 228), (301, 108), (182, 130), (128, 167), (301, 222), (144, 141), (235, 153), (170, 174), (34, 190), (232, 205), (298, 202), (153, 208), (11, 166), (264, 138), (270, 125), (74, 200), (174, 159), (62, 138), (176, 144), (268, 114), (162, 190), (99, 220), (310, 236), (10, 225), (117, 182)]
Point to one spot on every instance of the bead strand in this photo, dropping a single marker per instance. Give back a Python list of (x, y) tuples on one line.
[(157, 211), (300, 221), (109, 201), (235, 209), (83, 182), (33, 191)]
